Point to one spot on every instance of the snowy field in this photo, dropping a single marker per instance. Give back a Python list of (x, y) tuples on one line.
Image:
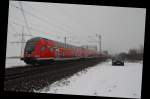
[(13, 62), (102, 80)]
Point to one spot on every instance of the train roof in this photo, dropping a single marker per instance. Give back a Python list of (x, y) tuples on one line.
[(60, 43), (38, 38)]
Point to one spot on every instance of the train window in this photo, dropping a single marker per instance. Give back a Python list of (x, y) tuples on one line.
[(60, 44), (63, 54), (43, 48), (29, 47), (51, 49), (57, 49)]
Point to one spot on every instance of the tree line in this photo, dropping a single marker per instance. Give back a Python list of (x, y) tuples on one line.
[(133, 54)]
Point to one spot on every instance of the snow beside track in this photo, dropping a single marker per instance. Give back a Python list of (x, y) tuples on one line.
[(14, 62), (102, 80)]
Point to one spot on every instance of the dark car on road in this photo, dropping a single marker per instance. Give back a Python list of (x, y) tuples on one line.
[(117, 61)]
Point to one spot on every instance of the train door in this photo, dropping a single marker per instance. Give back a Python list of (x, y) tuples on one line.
[(57, 53), (43, 53)]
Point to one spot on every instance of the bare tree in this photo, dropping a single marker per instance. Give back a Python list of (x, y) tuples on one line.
[(136, 53)]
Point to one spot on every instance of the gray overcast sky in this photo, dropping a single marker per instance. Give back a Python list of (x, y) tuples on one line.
[(121, 28)]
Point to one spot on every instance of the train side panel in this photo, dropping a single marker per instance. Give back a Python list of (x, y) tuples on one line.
[(51, 50)]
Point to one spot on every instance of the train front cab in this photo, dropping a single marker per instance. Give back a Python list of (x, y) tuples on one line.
[(37, 51), (30, 46)]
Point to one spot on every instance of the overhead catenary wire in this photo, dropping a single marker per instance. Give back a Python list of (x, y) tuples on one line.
[(22, 42), (33, 15), (26, 22), (13, 28), (10, 24), (66, 14), (53, 18), (74, 18), (31, 28), (41, 19), (39, 30), (34, 26), (36, 29)]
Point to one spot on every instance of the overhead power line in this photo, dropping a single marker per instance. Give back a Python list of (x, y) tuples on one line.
[(13, 28), (28, 27), (41, 19), (26, 22), (53, 18)]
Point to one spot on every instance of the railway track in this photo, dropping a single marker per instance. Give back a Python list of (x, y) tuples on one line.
[(31, 78), (22, 72)]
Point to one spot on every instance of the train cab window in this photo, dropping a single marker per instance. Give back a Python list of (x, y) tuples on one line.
[(29, 48), (43, 48)]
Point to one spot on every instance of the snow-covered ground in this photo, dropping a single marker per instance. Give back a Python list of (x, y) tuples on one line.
[(13, 62), (102, 80)]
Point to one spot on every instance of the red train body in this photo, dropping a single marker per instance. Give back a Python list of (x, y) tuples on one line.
[(39, 50)]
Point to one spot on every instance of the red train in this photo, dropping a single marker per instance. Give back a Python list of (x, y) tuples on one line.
[(40, 50)]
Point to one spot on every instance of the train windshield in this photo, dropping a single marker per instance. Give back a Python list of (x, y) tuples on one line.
[(30, 45), (29, 48)]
